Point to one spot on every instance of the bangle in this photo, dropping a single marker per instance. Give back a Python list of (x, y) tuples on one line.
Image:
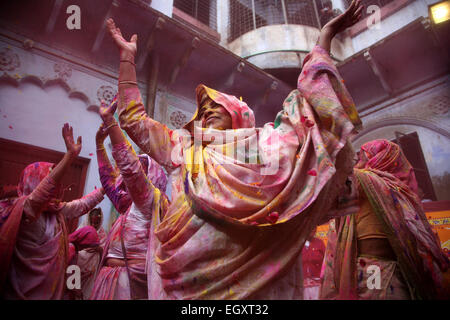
[(129, 61), (111, 125), (101, 149), (127, 82)]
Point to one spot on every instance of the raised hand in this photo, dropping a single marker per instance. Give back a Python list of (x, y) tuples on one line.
[(127, 49), (107, 112), (351, 16), (73, 149)]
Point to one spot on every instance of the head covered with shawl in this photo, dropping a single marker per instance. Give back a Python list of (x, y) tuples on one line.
[(385, 156), (83, 238), (241, 115), (11, 215), (32, 175), (387, 179)]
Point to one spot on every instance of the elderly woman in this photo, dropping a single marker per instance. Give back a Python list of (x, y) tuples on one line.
[(137, 191), (88, 258), (236, 225), (389, 233), (33, 236)]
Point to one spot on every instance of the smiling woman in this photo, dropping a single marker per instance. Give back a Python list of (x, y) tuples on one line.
[(213, 115), (232, 230)]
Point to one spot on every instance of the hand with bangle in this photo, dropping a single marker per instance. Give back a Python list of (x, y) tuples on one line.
[(107, 115)]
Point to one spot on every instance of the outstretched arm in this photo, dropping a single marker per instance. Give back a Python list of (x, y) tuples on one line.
[(46, 190), (79, 207), (151, 136), (140, 189), (339, 24), (108, 175)]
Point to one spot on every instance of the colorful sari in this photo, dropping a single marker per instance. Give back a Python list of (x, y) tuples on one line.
[(387, 179), (89, 259), (236, 224), (33, 236), (147, 206)]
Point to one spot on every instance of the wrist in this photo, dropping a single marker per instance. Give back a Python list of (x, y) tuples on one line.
[(70, 156), (109, 120), (127, 55), (327, 32), (99, 142)]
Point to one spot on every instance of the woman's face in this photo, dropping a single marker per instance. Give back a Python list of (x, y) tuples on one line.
[(213, 115), (96, 219)]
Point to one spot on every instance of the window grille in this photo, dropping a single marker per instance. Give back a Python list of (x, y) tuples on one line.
[(247, 15)]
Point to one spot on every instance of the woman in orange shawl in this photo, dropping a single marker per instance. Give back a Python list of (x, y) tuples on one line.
[(390, 232), (237, 222)]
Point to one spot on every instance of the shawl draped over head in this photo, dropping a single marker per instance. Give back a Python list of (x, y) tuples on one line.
[(82, 238), (388, 180), (31, 176), (10, 221), (238, 222), (241, 115)]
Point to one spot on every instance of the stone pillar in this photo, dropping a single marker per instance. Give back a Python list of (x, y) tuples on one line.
[(223, 17), (164, 6)]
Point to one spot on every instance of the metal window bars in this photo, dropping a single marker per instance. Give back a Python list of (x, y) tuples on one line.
[(247, 15), (204, 11)]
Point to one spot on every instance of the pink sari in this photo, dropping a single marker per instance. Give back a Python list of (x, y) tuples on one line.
[(33, 236), (148, 204), (233, 231), (388, 181), (33, 268)]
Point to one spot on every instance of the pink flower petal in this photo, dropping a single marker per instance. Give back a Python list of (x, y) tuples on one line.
[(272, 217), (309, 123), (303, 119)]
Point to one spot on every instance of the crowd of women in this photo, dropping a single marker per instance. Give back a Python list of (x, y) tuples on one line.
[(230, 230)]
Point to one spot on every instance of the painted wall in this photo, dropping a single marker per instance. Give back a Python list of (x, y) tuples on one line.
[(392, 23), (426, 110), (41, 95)]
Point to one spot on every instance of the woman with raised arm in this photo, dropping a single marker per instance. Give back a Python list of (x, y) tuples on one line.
[(109, 176), (33, 235), (235, 229), (389, 237), (142, 182)]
